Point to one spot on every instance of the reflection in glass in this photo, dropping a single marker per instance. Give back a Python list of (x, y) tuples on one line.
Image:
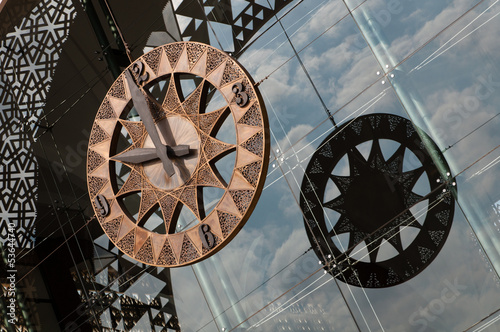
[(374, 202)]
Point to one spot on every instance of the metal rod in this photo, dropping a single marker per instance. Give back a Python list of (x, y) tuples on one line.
[(115, 28), (213, 300), (113, 66)]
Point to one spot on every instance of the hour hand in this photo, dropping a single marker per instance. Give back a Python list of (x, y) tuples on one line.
[(141, 105), (142, 155)]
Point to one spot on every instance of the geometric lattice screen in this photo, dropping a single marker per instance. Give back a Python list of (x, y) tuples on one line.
[(234, 21), (28, 58)]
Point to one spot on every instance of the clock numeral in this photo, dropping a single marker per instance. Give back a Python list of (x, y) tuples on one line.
[(139, 70), (241, 96), (207, 238), (102, 205)]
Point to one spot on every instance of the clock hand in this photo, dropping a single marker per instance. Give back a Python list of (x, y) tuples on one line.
[(141, 155), (142, 108)]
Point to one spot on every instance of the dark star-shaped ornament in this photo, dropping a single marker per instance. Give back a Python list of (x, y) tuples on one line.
[(374, 201)]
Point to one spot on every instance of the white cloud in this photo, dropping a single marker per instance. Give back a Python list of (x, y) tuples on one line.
[(275, 235)]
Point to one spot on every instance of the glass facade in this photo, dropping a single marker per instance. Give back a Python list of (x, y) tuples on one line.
[(379, 210)]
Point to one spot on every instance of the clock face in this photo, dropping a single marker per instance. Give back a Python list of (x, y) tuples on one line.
[(183, 120), (379, 220)]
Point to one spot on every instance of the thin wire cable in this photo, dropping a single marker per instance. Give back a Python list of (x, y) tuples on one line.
[(491, 164), (64, 167), (308, 44), (325, 108), (479, 322), (206, 301), (57, 217), (259, 286), (297, 202), (437, 35), (60, 227), (53, 251), (282, 307), (98, 294), (286, 180), (50, 126), (255, 38), (279, 310), (481, 158), (334, 276), (367, 105), (491, 322), (98, 78), (26, 251), (280, 296), (345, 301), (461, 139), (63, 88), (397, 217), (73, 192), (60, 224), (435, 203), (143, 270), (458, 41), (332, 255), (433, 55), (127, 50), (372, 102), (210, 24)]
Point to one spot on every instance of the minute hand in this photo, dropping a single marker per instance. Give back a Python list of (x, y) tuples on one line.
[(142, 108)]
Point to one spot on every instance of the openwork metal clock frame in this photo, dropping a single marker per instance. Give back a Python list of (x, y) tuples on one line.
[(172, 153)]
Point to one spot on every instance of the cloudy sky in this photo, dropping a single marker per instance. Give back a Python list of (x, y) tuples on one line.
[(446, 79), (451, 85), (444, 57)]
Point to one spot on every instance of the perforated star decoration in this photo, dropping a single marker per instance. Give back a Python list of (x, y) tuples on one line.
[(374, 202), (171, 153)]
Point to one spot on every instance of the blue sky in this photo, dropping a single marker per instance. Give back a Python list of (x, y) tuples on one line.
[(341, 65)]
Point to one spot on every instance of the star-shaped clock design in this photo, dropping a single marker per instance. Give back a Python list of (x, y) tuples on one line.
[(386, 195), (164, 147), (375, 200)]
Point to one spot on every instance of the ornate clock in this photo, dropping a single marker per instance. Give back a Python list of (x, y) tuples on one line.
[(373, 201), (156, 138)]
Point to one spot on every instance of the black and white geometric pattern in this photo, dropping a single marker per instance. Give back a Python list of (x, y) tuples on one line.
[(28, 58), (234, 22), (129, 296)]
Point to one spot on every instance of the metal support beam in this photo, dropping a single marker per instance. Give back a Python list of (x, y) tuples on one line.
[(109, 56), (112, 25)]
